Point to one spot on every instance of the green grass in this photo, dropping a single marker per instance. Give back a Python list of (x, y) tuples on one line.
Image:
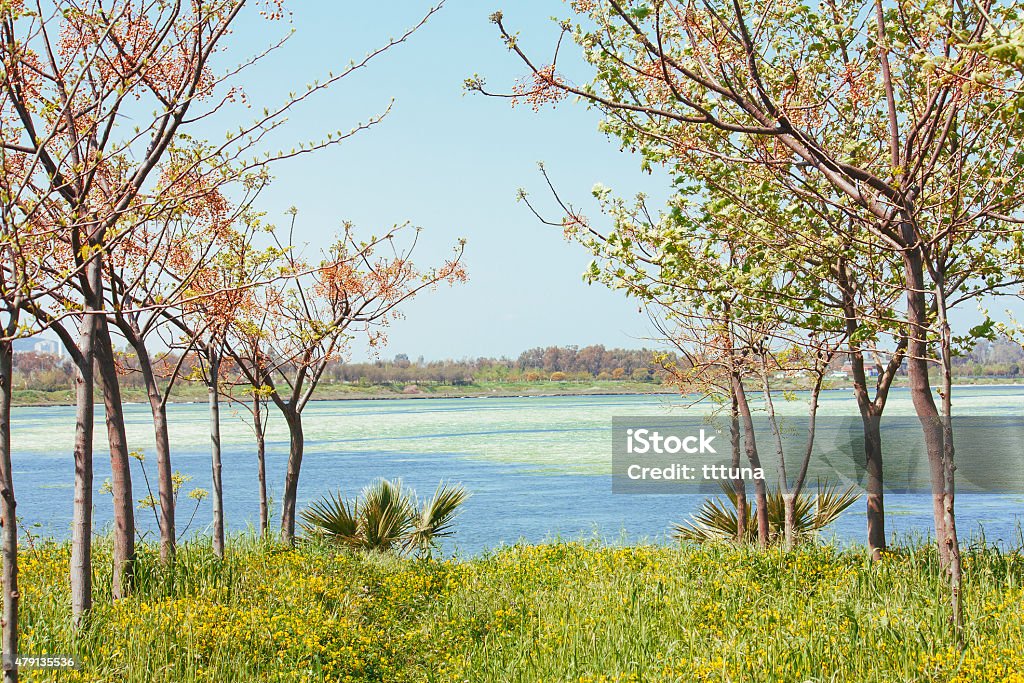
[(559, 612)]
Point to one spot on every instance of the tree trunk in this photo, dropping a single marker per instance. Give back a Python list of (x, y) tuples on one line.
[(165, 483), (921, 390), (739, 486), (955, 568), (794, 492), (8, 518), (789, 519), (291, 479), (875, 484), (81, 522), (218, 490), (120, 468), (750, 444), (788, 496), (261, 464), (870, 415)]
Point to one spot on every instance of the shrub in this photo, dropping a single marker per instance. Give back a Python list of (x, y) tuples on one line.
[(387, 516), (716, 520)]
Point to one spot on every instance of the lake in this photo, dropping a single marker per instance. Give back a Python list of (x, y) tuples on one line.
[(538, 467)]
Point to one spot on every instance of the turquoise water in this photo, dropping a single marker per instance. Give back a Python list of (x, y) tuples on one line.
[(537, 466)]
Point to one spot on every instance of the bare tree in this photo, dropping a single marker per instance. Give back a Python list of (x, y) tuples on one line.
[(312, 317)]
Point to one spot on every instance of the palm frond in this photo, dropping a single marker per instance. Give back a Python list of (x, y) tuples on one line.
[(716, 520), (830, 503), (333, 517), (434, 520), (387, 514), (386, 517)]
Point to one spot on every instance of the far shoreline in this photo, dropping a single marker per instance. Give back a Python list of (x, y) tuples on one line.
[(508, 390)]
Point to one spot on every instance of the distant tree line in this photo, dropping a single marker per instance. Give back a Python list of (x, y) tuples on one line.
[(1001, 357), (541, 363), (46, 372)]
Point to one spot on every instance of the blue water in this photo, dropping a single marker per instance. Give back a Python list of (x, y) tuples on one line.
[(538, 467)]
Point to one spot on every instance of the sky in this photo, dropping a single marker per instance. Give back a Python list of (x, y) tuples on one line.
[(451, 163)]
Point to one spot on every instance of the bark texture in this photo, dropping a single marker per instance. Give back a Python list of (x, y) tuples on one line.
[(8, 522), (120, 465), (165, 484), (291, 480), (215, 457)]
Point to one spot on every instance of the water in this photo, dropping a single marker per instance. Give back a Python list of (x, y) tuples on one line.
[(538, 467)]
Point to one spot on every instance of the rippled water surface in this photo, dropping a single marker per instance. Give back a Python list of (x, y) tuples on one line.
[(538, 467)]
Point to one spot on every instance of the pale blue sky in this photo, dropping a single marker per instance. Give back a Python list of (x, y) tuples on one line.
[(450, 163)]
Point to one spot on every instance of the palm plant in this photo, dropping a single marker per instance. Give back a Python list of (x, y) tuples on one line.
[(387, 516), (435, 518), (716, 520)]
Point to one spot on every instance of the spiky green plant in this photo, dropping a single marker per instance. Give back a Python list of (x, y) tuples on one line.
[(334, 517), (387, 516), (435, 518), (716, 520), (386, 510)]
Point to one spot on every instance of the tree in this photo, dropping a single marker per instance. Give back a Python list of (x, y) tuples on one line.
[(247, 340), (221, 293), (75, 75), (70, 74), (693, 278), (312, 316), (153, 273), (8, 505), (881, 112), (20, 243), (256, 407), (850, 289), (247, 327)]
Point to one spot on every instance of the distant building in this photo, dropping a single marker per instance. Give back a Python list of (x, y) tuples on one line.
[(49, 347)]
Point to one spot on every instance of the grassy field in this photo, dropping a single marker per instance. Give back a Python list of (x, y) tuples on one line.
[(560, 612)]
